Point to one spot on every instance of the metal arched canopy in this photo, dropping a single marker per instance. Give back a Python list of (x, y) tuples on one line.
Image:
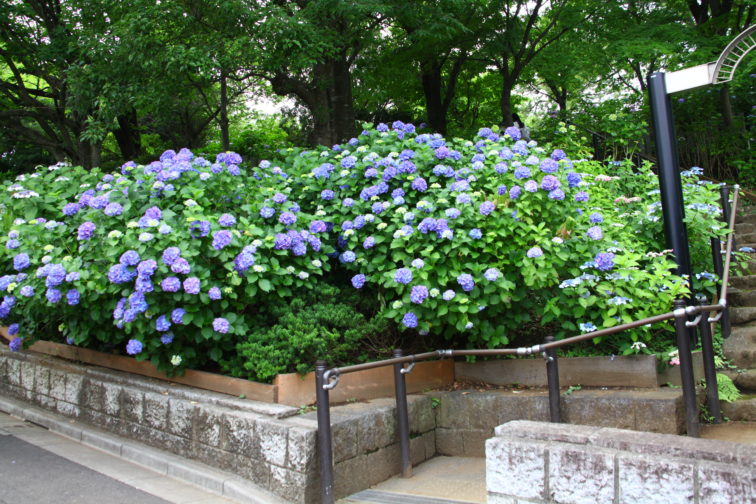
[(717, 72)]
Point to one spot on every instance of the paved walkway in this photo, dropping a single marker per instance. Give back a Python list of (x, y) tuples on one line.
[(41, 467)]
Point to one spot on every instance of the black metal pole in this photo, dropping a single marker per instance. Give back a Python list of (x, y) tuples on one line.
[(724, 194), (670, 184), (707, 351), (402, 416), (686, 370), (716, 255), (552, 375), (324, 434)]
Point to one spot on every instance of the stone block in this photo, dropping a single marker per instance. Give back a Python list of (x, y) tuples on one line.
[(515, 468), (45, 402), (273, 437), (42, 380), (112, 399), (547, 431), (655, 480), (73, 387), (155, 410), (422, 417), (168, 442), (180, 416), (58, 384), (239, 434), (27, 376), (132, 404), (586, 408), (207, 425), (474, 442), (255, 470), (68, 409), (577, 474), (344, 438), (13, 372), (376, 429), (92, 395), (725, 484), (288, 484), (209, 455), (302, 449), (449, 442)]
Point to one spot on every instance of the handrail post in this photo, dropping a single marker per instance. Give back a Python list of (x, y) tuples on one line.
[(324, 434), (686, 370), (707, 351), (716, 254), (552, 375), (402, 416)]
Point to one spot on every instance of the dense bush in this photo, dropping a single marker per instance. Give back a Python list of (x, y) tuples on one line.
[(181, 260)]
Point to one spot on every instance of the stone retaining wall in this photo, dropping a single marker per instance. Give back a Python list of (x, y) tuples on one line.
[(270, 445), (534, 462)]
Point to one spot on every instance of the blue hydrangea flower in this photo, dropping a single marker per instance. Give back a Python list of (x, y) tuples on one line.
[(192, 285), (214, 293), (27, 291), (419, 294), (604, 261), (573, 179), (403, 276), (170, 255), (147, 268), (119, 274), (227, 220), (369, 242), (71, 209), (448, 295), (181, 266), (287, 219), (347, 202), (492, 274), (167, 338), (515, 192), (466, 281), (327, 195), (409, 320), (475, 234), (13, 329), (486, 207), (463, 199), (595, 233), (267, 212), (162, 324), (587, 327), (170, 284), (419, 184), (558, 155), (347, 257), (549, 183), (12, 244), (513, 132), (221, 325), (581, 196), (279, 198), (221, 239), (348, 162), (556, 194), (129, 258), (53, 295), (596, 218), (418, 263), (86, 230), (358, 281), (548, 165), (134, 347), (177, 316), (113, 209), (199, 229), (531, 186), (16, 344), (534, 252), (282, 241)]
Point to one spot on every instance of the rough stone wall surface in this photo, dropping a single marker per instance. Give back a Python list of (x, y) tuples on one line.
[(271, 445), (537, 462)]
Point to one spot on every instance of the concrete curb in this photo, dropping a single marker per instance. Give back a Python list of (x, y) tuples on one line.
[(194, 473)]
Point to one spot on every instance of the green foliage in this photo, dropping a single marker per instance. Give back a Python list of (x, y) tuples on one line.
[(727, 390), (310, 328)]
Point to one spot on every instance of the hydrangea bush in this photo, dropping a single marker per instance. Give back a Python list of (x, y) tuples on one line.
[(179, 261)]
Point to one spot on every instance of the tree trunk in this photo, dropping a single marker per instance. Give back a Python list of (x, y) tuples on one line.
[(434, 105), (726, 104), (505, 102), (225, 141), (342, 102), (127, 135)]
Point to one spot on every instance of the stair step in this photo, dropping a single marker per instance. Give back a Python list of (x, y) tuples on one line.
[(740, 347), (746, 282), (741, 297), (743, 314), (745, 238), (749, 218), (746, 381), (743, 410), (744, 228)]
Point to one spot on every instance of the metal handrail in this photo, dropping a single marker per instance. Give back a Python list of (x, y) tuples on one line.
[(327, 379)]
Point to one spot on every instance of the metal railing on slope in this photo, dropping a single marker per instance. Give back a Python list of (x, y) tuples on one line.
[(327, 379)]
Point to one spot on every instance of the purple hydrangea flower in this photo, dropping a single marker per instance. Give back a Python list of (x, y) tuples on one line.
[(16, 344), (86, 230), (113, 209), (595, 233), (13, 329), (515, 192), (327, 195), (556, 194), (419, 184), (177, 316), (347, 257), (531, 186), (513, 132), (222, 238), (27, 291), (221, 325), (596, 218), (227, 220), (199, 229), (71, 209), (287, 219), (409, 320), (548, 165), (486, 207), (466, 281), (181, 266), (170, 255), (549, 183), (134, 347), (147, 268), (558, 155), (53, 295), (317, 226), (492, 274), (573, 179), (192, 285), (604, 261), (282, 241), (418, 263), (419, 294), (347, 202), (119, 274), (369, 242), (21, 262), (279, 198), (267, 212), (214, 293), (403, 276), (12, 244), (534, 252), (475, 234), (448, 295), (581, 196), (358, 281), (245, 260), (167, 338), (170, 284)]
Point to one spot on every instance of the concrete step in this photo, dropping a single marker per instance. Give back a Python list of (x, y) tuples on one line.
[(745, 228), (745, 238), (749, 218), (745, 282), (740, 347), (744, 379), (742, 297), (742, 315), (743, 410)]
